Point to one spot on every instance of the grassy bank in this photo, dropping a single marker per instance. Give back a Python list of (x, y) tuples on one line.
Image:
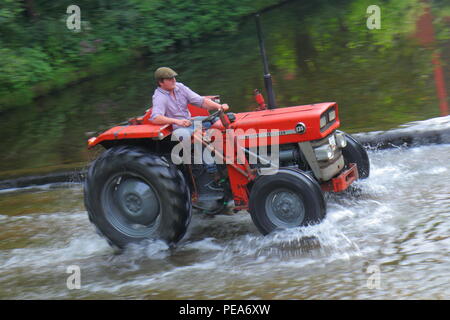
[(39, 54)]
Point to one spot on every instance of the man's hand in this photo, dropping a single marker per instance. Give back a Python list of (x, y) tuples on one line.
[(211, 105), (183, 122), (224, 107)]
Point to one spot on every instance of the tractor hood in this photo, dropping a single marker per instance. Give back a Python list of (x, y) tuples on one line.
[(288, 122)]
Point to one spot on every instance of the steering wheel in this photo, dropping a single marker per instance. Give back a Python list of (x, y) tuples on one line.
[(222, 115), (213, 115)]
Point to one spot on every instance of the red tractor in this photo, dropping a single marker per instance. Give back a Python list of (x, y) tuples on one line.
[(134, 191)]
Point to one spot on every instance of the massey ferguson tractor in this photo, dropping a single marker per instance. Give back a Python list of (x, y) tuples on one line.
[(135, 191)]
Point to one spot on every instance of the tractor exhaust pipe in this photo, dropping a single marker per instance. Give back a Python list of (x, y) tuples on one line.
[(267, 76)]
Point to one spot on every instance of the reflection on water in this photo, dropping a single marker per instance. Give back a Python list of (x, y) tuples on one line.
[(398, 220), (318, 51)]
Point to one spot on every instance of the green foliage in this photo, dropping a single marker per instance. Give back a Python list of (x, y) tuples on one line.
[(316, 53), (39, 53)]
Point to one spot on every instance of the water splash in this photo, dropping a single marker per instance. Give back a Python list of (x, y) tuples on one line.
[(398, 219)]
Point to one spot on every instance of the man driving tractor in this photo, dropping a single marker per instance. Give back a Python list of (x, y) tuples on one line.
[(170, 106), (171, 99)]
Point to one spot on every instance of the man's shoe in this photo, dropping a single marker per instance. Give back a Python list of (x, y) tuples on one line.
[(215, 185)]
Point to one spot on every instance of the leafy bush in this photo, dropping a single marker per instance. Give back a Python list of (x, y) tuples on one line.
[(37, 47)]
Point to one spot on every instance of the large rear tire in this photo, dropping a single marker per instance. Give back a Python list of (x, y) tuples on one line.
[(287, 199), (354, 152), (132, 195)]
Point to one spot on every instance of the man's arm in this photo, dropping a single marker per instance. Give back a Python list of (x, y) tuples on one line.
[(211, 105), (166, 120), (158, 114), (207, 104), (200, 101)]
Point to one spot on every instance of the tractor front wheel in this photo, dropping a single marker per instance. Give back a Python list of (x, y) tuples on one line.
[(132, 195), (354, 152), (287, 199)]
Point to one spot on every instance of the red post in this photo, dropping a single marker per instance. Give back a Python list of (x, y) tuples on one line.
[(425, 33), (440, 84)]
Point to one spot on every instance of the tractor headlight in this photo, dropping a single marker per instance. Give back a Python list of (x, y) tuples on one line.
[(341, 141), (332, 115), (323, 121), (324, 152)]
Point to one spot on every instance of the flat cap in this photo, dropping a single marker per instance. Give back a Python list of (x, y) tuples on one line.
[(164, 73)]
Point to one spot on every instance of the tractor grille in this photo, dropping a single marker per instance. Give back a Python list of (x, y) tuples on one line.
[(329, 156)]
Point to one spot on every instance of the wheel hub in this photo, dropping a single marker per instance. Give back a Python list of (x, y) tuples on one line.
[(285, 208), (133, 203), (137, 201)]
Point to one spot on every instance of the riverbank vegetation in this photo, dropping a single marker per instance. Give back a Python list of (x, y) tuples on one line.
[(38, 52)]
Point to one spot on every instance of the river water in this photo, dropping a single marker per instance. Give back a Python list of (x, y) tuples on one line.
[(396, 222)]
